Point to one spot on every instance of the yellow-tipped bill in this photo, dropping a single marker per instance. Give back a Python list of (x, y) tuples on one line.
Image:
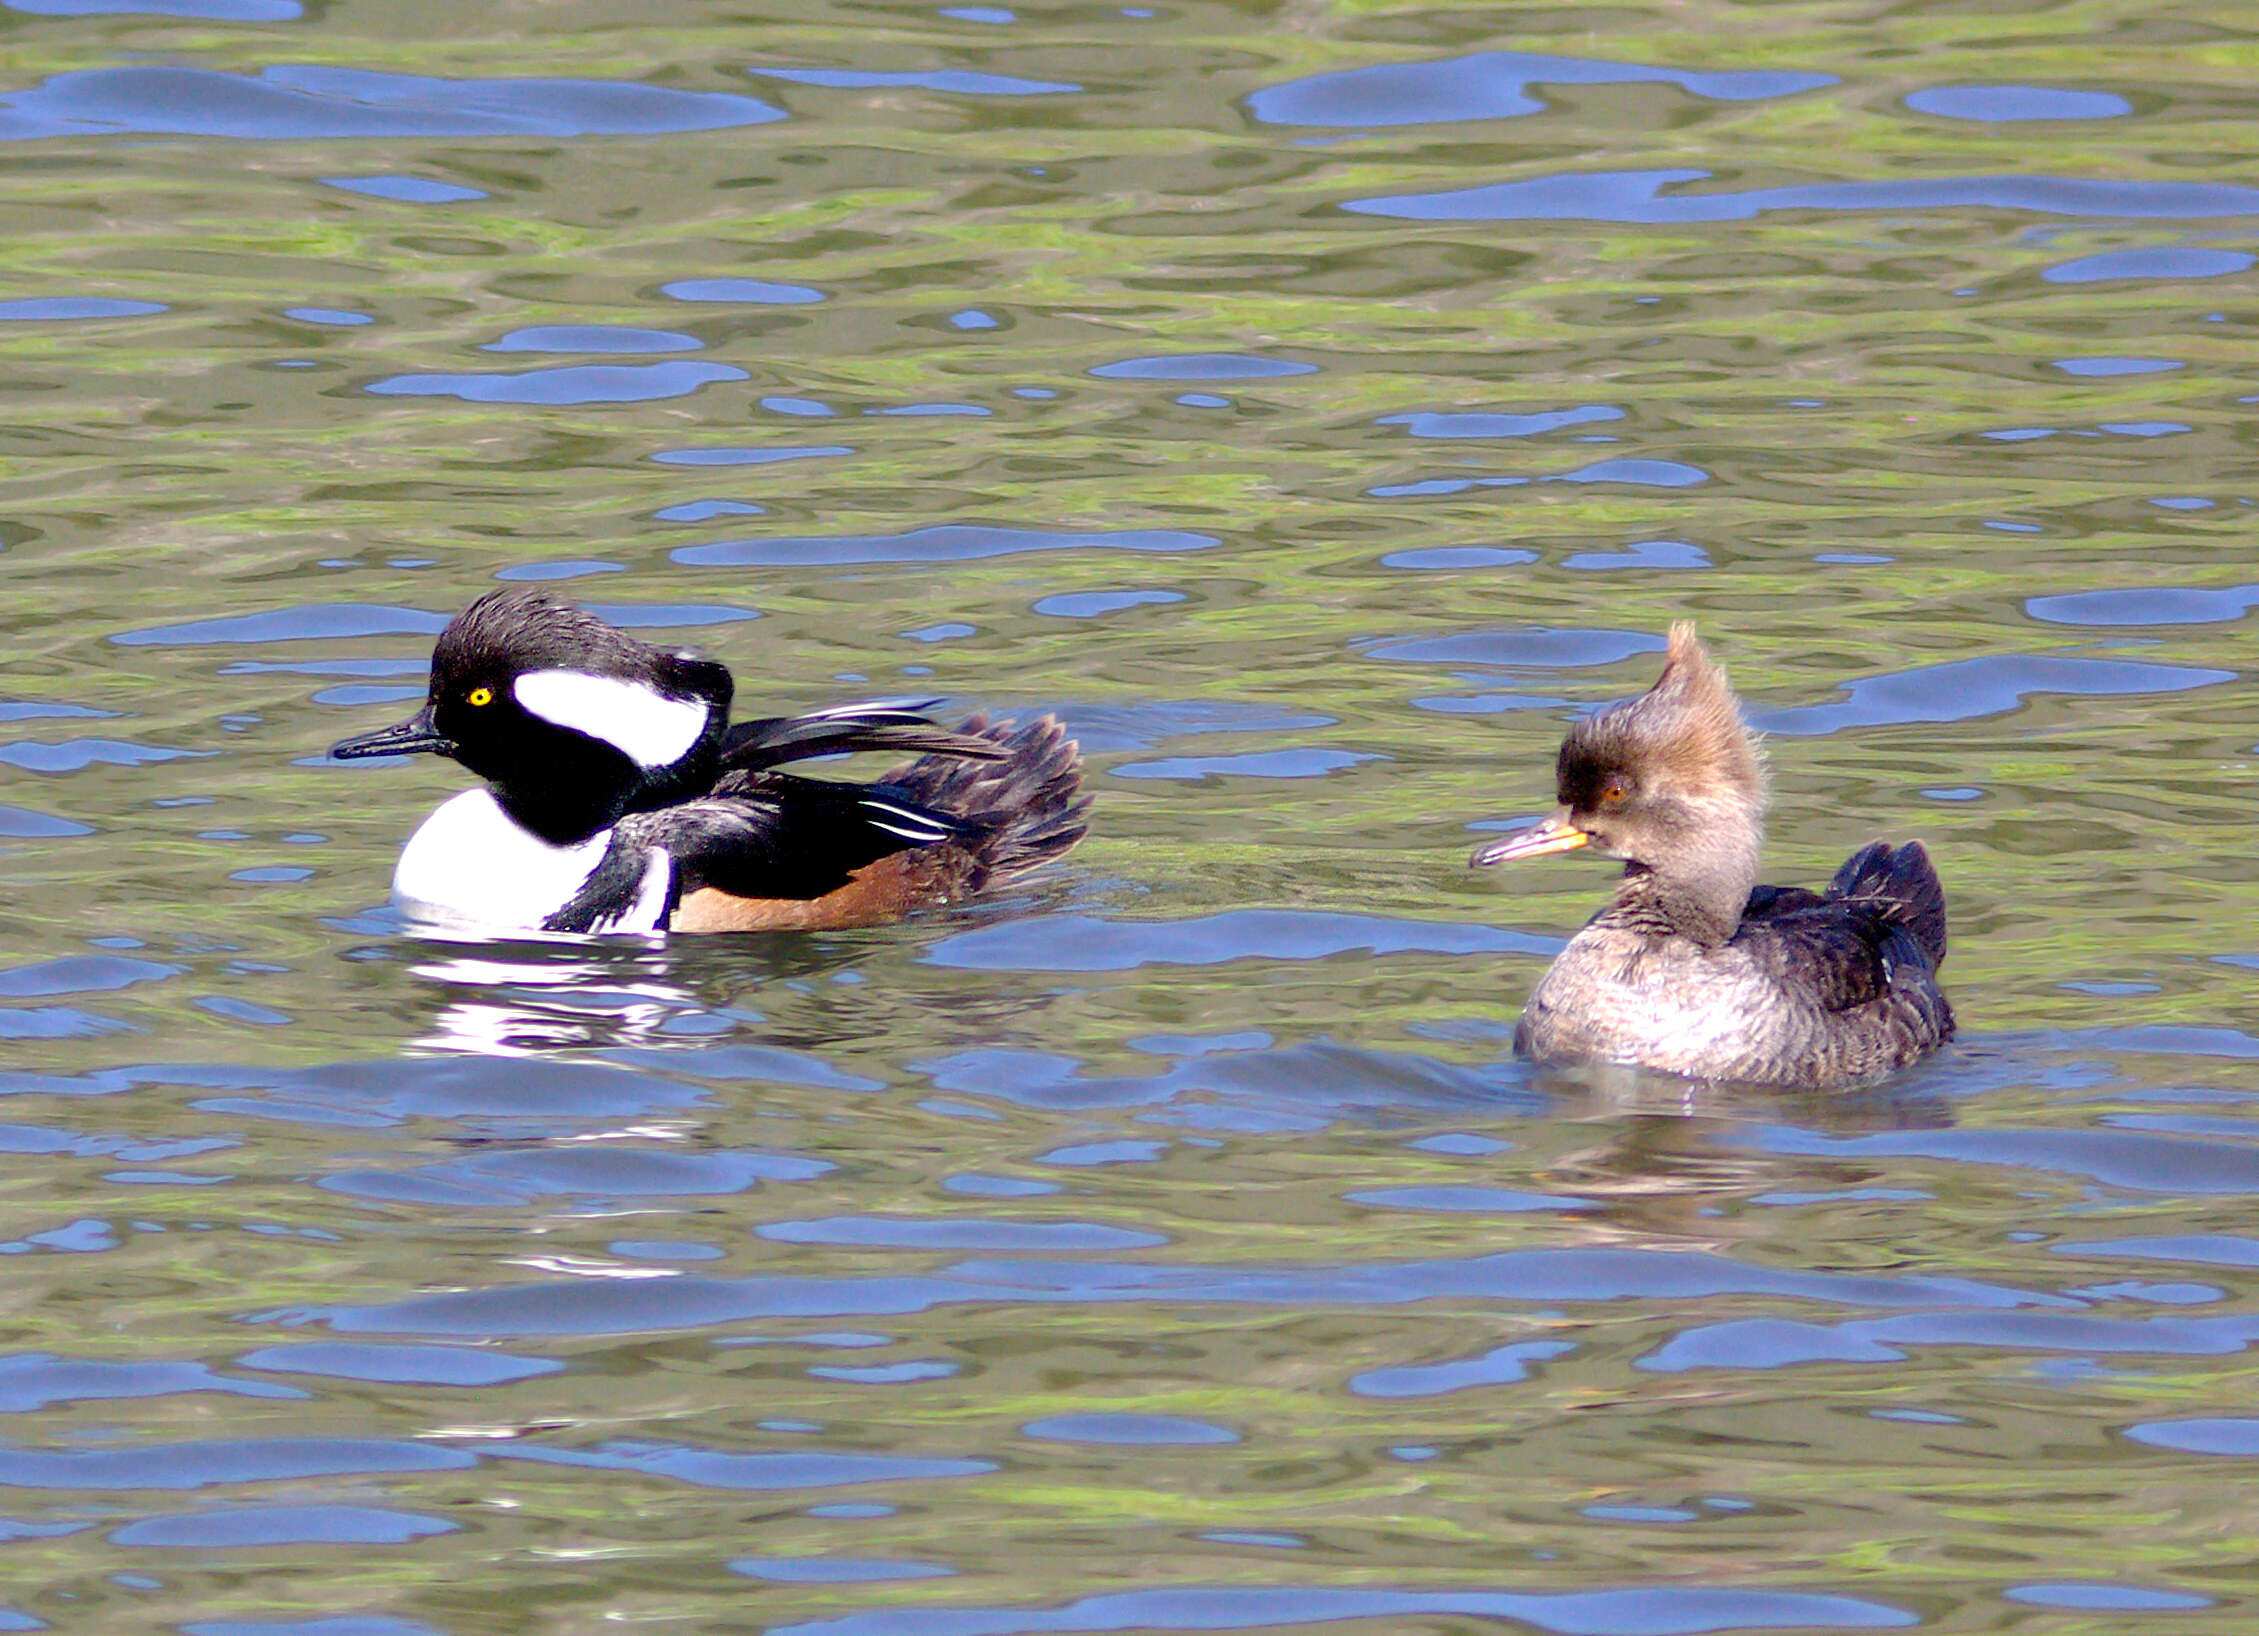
[(1555, 834)]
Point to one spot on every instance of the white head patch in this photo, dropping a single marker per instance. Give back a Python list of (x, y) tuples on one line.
[(645, 725)]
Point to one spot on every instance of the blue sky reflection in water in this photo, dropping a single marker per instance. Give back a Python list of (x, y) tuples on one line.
[(1319, 410)]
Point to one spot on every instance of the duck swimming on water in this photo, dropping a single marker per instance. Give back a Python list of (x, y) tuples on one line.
[(621, 798), (1694, 968)]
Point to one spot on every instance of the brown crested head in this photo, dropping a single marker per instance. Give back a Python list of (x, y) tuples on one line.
[(1673, 783), (1681, 744)]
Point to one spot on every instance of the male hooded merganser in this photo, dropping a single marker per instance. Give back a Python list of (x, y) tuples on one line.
[(1694, 968), (621, 799)]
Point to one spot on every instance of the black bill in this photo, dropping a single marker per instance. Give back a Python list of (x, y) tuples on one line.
[(413, 736)]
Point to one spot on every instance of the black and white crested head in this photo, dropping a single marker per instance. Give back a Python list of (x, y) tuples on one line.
[(618, 797), (572, 721), (567, 667)]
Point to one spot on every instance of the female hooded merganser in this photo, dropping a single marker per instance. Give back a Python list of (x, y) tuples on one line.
[(622, 800), (1694, 968)]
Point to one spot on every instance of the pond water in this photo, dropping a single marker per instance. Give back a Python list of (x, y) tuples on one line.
[(1318, 404)]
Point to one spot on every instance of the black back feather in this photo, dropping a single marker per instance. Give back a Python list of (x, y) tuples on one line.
[(1015, 805), (1027, 806), (894, 725), (1901, 885), (1877, 932)]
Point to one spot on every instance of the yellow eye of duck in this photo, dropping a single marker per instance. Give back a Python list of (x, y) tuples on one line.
[(480, 695)]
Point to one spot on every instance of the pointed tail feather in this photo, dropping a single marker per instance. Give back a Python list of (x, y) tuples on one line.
[(1026, 800), (1902, 884), (874, 724)]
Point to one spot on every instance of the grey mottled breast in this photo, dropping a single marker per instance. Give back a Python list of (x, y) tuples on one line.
[(1737, 1011)]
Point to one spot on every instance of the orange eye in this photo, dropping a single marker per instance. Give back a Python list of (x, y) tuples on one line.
[(480, 696), (1614, 793)]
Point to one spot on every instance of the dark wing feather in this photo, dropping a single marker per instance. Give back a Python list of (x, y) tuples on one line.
[(614, 890), (1839, 955), (770, 835), (1883, 915), (1901, 885), (897, 726), (1765, 902)]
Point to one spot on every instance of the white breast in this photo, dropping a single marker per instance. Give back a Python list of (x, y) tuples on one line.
[(471, 865)]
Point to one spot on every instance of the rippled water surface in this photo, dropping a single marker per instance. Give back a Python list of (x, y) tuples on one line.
[(1317, 404)]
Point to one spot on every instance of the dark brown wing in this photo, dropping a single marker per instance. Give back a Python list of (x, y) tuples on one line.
[(1840, 956), (1878, 932)]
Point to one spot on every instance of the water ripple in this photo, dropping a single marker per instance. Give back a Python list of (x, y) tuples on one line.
[(1990, 686), (397, 1364), (217, 11), (955, 81), (1638, 196), (301, 102), (48, 309), (82, 974), (1482, 425), (2146, 605), (1502, 1366), (1284, 763), (1528, 647), (753, 291), (1130, 1429), (949, 542), (321, 622), (711, 1468), (2148, 1164), (835, 1570), (959, 1234), (606, 1171), (574, 383), (33, 1380), (232, 1460), (405, 189), (1996, 104), (1777, 1343), (1087, 943), (1488, 85), (250, 1527), (616, 1306), (1678, 1610), (1202, 366), (593, 338), (2155, 261)]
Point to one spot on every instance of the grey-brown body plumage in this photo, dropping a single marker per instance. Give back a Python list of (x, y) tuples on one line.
[(1693, 968)]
